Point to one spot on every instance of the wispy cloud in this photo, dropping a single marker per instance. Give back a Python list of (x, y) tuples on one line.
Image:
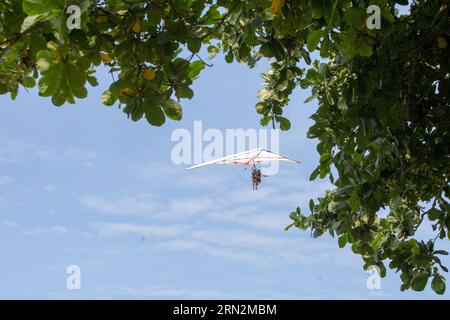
[(6, 180), (8, 224), (158, 291), (266, 208), (152, 171), (52, 230), (203, 180), (151, 230), (239, 224), (190, 206), (250, 217), (131, 205), (232, 244), (12, 150), (51, 188)]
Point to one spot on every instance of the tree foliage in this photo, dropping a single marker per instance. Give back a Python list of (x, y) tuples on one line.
[(382, 121)]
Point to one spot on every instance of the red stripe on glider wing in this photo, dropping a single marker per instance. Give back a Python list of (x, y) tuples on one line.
[(246, 162)]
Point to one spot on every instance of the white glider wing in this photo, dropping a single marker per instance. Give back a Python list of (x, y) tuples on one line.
[(250, 157)]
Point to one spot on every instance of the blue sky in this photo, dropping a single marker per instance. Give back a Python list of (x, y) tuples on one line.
[(83, 185)]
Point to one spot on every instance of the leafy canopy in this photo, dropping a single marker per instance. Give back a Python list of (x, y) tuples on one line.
[(382, 121)]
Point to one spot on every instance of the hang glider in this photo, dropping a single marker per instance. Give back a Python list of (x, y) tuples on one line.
[(250, 157)]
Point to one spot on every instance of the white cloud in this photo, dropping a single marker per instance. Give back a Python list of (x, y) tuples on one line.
[(229, 253), (53, 230), (269, 221), (190, 206), (6, 180), (165, 292), (267, 208), (9, 224), (12, 150), (153, 171), (85, 157), (131, 205), (201, 180), (232, 244), (235, 238), (50, 188), (239, 224), (9, 149), (169, 292), (153, 230)]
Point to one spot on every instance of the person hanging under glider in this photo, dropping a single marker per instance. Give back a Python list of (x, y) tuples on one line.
[(250, 157), (256, 177)]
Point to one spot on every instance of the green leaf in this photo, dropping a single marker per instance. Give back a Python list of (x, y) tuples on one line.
[(195, 68), (50, 81), (107, 98), (311, 205), (44, 60), (342, 241), (355, 17), (229, 57), (325, 47), (155, 115), (134, 110), (419, 282), (173, 109), (29, 82), (325, 157), (261, 108), (311, 98), (312, 75), (357, 157), (75, 77), (58, 99), (34, 7), (92, 81), (365, 48), (213, 51), (80, 92), (283, 85), (194, 45), (354, 202), (434, 214), (438, 284), (37, 43), (314, 174), (183, 91), (264, 94), (317, 8), (285, 124), (312, 41), (266, 50), (30, 21)]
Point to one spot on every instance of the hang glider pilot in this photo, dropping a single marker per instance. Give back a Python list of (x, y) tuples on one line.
[(256, 177)]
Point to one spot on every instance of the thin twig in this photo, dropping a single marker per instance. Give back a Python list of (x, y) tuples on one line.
[(21, 34)]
